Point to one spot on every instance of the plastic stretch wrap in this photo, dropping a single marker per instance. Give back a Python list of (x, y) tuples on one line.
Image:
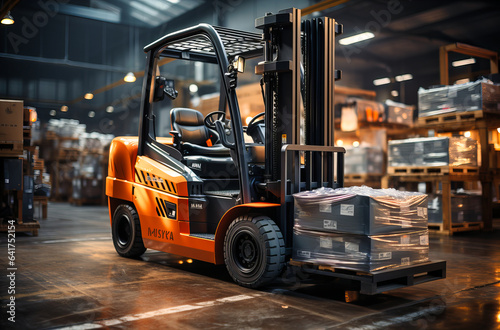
[(364, 160), (464, 208), (433, 151), (359, 252), (471, 96), (398, 113), (360, 210)]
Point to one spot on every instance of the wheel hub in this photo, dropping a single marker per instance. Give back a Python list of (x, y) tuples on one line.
[(247, 253), (124, 231)]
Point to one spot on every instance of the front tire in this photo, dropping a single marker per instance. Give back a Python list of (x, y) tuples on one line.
[(254, 251), (126, 232)]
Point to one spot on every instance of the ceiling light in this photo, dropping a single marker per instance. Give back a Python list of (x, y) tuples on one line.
[(8, 19), (53, 112), (64, 108), (33, 115), (340, 143), (381, 81), (129, 77), (394, 93), (91, 114), (404, 77), (467, 134), (157, 4), (89, 96), (173, 1), (467, 61), (110, 109), (145, 9), (356, 38), (355, 144), (193, 88)]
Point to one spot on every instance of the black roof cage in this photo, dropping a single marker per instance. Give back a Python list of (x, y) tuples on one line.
[(199, 46)]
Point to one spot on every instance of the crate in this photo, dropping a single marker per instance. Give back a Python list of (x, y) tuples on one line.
[(11, 122)]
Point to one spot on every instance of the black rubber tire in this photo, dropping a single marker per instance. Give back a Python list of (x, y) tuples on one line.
[(126, 232), (254, 251)]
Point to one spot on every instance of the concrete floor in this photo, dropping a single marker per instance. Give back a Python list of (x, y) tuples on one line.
[(71, 277)]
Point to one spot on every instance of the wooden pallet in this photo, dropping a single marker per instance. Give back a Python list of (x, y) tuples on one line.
[(456, 226), (68, 154), (452, 117), (372, 180), (11, 149), (362, 177), (325, 267), (431, 170), (30, 227)]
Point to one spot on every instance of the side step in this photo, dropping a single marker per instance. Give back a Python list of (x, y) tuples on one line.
[(224, 193), (204, 236)]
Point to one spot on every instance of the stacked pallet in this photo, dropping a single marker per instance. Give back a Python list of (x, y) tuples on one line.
[(75, 158), (16, 177), (360, 228)]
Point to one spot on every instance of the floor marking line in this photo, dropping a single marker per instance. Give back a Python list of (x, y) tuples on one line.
[(399, 319), (160, 312), (69, 240)]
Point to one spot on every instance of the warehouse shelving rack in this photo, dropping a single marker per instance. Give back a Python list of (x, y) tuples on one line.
[(483, 122)]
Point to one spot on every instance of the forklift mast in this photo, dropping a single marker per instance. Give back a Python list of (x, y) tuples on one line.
[(299, 105), (288, 42)]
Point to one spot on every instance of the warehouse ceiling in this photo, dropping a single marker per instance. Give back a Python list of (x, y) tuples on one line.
[(413, 28), (58, 50)]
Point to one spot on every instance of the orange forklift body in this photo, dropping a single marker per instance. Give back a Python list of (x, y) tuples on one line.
[(138, 179)]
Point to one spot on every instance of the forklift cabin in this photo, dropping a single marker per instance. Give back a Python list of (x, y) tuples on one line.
[(163, 193)]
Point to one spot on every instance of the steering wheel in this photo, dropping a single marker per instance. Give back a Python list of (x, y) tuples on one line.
[(209, 120), (255, 121)]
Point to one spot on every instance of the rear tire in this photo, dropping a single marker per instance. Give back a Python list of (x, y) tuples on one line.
[(126, 232), (254, 251)]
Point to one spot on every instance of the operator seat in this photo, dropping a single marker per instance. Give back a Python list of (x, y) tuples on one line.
[(199, 146), (194, 137)]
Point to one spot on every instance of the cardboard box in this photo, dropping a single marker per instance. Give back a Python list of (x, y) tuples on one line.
[(369, 111), (11, 122), (360, 252), (360, 210)]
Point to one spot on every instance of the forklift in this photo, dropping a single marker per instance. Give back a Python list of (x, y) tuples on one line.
[(217, 191)]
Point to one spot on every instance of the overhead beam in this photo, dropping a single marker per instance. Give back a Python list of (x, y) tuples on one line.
[(465, 49), (8, 6), (322, 6), (91, 13), (138, 74), (56, 61)]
